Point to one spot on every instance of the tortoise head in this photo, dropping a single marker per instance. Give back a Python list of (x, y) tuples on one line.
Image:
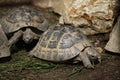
[(28, 36), (93, 53)]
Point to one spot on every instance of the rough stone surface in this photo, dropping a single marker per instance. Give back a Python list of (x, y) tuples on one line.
[(95, 16)]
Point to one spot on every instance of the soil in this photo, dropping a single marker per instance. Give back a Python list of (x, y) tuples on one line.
[(108, 69)]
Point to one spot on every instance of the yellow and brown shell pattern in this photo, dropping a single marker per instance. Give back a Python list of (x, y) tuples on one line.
[(23, 16), (59, 43)]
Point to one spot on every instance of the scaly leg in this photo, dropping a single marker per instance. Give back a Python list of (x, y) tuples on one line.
[(15, 38), (4, 50), (85, 59)]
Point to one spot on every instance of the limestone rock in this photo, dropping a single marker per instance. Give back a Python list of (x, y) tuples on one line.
[(96, 14)]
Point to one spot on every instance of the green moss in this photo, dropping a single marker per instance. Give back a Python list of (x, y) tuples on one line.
[(21, 61)]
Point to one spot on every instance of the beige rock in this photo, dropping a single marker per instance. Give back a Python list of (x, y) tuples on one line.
[(42, 3), (96, 14)]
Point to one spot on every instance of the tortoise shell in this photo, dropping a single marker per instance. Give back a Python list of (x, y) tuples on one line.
[(23, 17), (60, 43)]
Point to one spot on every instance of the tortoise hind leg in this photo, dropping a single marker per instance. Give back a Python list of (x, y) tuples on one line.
[(85, 59), (15, 38), (4, 50)]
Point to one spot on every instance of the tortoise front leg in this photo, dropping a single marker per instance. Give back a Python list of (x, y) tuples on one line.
[(15, 38), (85, 59), (4, 50)]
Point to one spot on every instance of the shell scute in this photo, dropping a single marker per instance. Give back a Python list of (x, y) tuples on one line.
[(55, 55), (66, 41), (22, 17)]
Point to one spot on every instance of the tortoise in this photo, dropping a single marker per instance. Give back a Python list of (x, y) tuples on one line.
[(113, 45), (24, 21), (63, 43), (4, 49)]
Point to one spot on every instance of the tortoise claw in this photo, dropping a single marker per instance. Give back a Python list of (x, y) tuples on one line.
[(99, 59), (90, 66)]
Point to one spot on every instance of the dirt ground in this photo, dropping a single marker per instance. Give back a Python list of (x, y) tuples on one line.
[(108, 70), (20, 67)]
